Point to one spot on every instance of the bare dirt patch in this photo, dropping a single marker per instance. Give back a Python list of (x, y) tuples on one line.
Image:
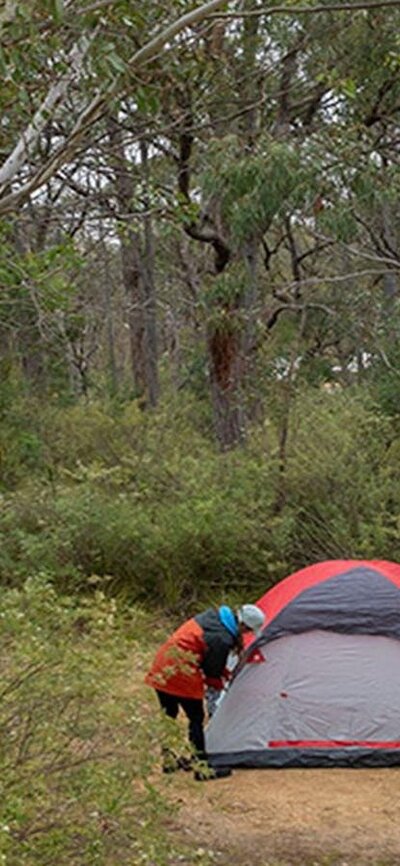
[(339, 817)]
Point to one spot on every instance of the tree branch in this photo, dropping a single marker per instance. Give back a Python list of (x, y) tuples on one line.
[(96, 107), (31, 134), (308, 10), (273, 316)]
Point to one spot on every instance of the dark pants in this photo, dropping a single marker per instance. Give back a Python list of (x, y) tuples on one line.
[(194, 710)]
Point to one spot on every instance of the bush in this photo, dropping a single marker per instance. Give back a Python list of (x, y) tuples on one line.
[(174, 552), (338, 486), (145, 505), (77, 746)]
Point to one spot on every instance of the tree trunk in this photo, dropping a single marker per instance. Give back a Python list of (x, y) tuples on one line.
[(230, 349), (130, 256), (149, 293), (225, 371), (110, 335)]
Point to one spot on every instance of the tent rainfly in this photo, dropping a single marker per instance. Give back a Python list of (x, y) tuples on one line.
[(320, 687)]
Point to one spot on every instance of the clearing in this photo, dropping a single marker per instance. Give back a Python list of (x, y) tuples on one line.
[(336, 817)]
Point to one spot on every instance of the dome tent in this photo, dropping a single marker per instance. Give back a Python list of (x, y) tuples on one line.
[(321, 685)]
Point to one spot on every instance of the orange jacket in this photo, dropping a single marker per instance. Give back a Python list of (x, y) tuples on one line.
[(193, 656)]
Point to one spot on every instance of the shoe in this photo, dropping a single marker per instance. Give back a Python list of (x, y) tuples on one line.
[(210, 773)]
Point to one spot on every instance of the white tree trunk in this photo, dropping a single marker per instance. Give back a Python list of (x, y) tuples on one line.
[(31, 134)]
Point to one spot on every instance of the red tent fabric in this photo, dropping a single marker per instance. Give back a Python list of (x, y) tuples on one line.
[(286, 591)]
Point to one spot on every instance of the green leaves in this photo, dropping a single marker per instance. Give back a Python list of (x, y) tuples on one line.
[(147, 100), (58, 10), (255, 188), (75, 746), (339, 222)]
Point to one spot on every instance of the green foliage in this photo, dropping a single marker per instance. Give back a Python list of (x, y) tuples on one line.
[(21, 445), (41, 308), (255, 188), (147, 508), (339, 221), (222, 309), (384, 377), (75, 763), (172, 527), (339, 487)]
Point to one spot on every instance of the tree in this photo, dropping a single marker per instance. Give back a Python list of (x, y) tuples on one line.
[(262, 147), (73, 62)]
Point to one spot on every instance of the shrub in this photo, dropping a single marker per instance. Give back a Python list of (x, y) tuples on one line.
[(157, 513), (77, 744), (338, 488)]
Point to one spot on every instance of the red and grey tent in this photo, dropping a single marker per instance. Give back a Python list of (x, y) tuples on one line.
[(321, 685)]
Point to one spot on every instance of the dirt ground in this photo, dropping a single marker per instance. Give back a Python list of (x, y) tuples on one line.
[(341, 817)]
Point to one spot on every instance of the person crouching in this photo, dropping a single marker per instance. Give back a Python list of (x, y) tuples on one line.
[(193, 658)]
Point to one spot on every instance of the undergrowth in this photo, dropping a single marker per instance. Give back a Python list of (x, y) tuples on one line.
[(79, 749)]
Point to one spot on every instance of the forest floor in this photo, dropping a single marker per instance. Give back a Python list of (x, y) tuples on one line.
[(331, 817)]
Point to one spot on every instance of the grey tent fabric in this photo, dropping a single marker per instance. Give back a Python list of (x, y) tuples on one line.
[(317, 698), (360, 600)]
